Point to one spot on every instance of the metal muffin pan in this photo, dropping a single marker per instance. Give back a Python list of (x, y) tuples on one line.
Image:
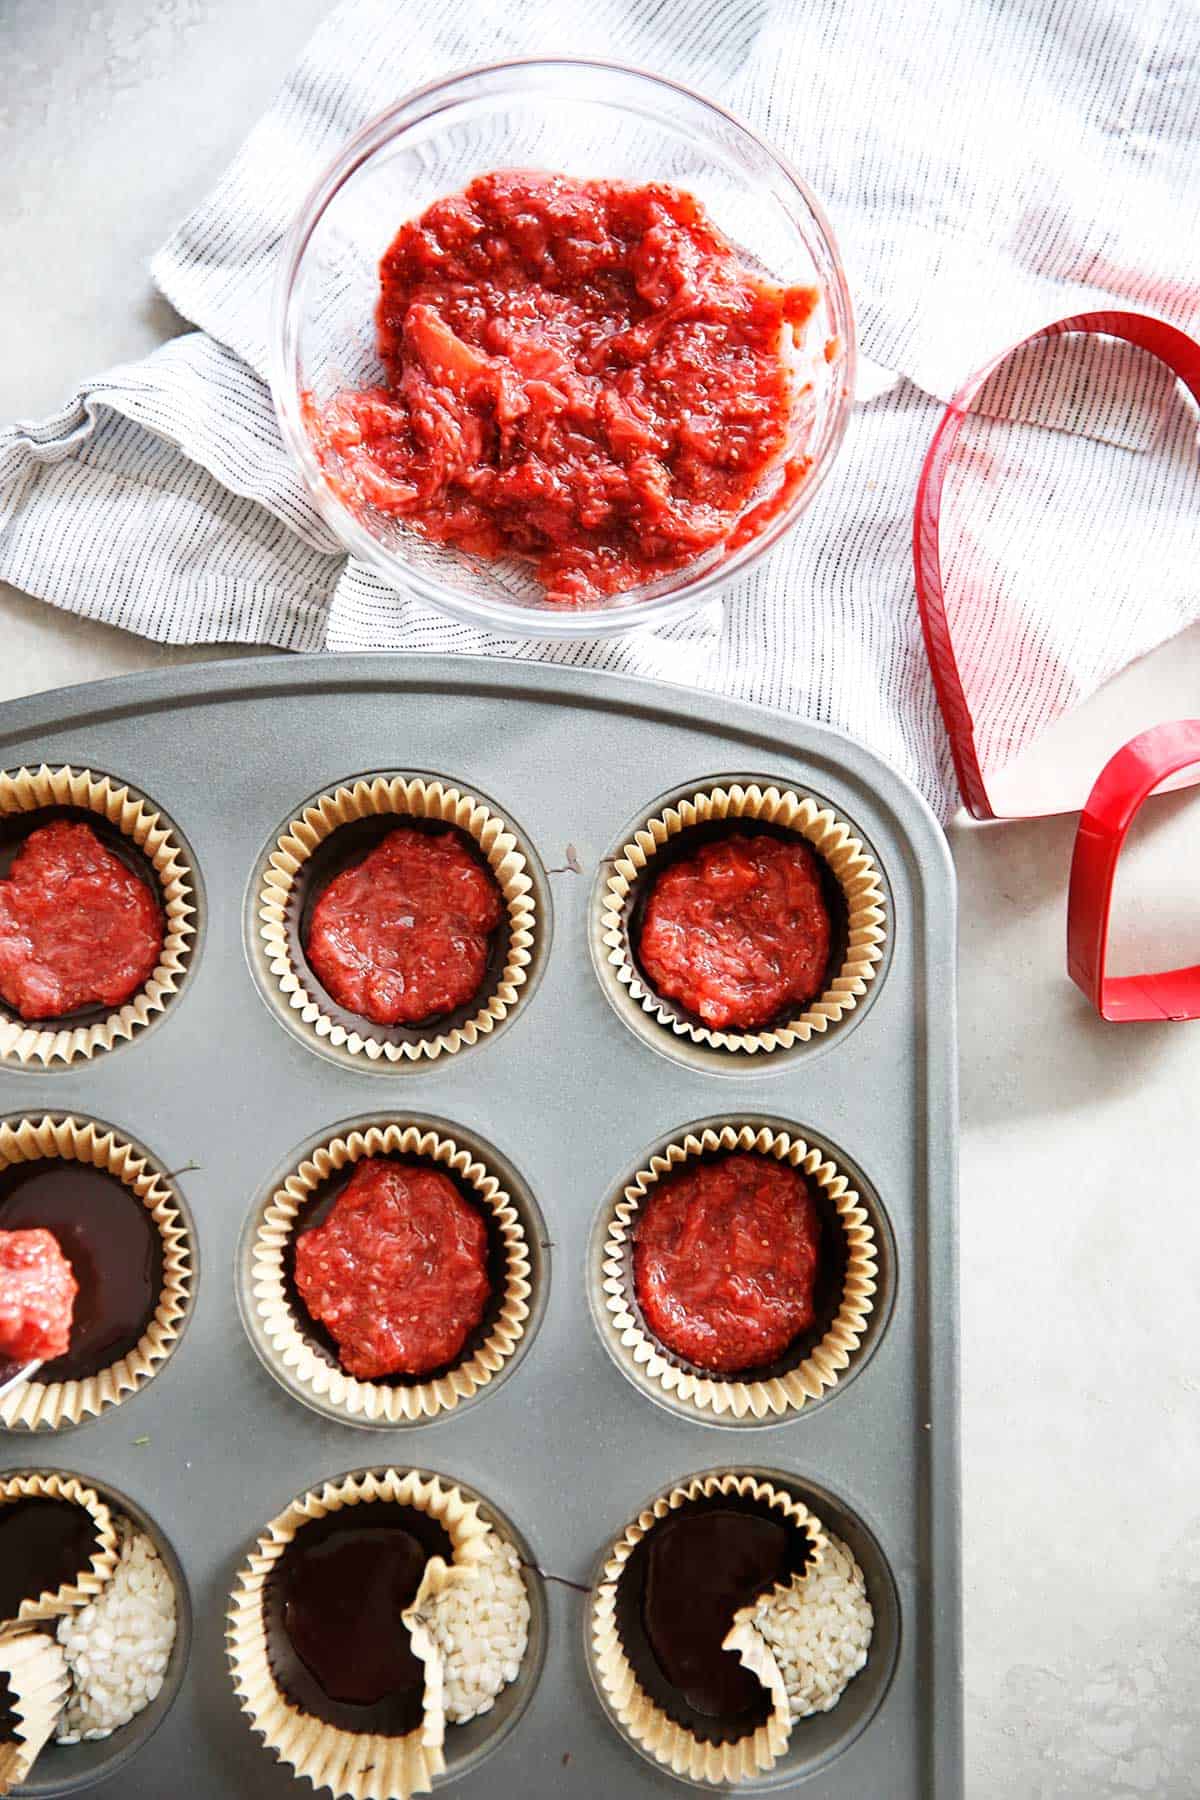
[(564, 1445)]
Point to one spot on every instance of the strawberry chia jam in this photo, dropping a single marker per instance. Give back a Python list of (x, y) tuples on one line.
[(740, 932), (398, 1270), (405, 934), (77, 927), (725, 1260), (581, 374)]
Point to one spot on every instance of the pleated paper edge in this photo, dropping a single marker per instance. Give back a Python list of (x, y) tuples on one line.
[(821, 1369), (25, 790), (48, 1406), (353, 1765), (832, 838), (372, 1401), (639, 1718), (404, 797), (38, 1682), (91, 1580)]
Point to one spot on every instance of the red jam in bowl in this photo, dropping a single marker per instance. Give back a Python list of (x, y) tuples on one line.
[(581, 374)]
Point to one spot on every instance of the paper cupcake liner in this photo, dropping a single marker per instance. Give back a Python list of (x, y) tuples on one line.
[(411, 798), (88, 1583), (371, 1400), (360, 1765), (820, 1369), (843, 853), (25, 790), (640, 1717), (35, 1671), (439, 1578), (47, 1406)]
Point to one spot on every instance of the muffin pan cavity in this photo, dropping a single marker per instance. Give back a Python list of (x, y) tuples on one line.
[(853, 1291), (151, 847), (815, 1741), (63, 1769), (683, 822), (336, 829), (301, 1354)]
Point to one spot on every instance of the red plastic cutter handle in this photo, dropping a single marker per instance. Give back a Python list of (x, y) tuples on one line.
[(1128, 779), (1180, 353)]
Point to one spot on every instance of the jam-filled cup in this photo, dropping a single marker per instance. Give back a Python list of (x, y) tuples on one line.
[(396, 920), (76, 837), (790, 892), (814, 1273), (480, 1228)]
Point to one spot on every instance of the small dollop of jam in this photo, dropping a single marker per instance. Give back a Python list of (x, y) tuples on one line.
[(398, 1270), (37, 1296), (740, 932), (77, 928), (725, 1260), (45, 1544), (405, 934), (112, 1245), (702, 1567), (581, 374)]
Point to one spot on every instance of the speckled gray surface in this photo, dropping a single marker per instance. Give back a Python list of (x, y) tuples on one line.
[(1080, 1234)]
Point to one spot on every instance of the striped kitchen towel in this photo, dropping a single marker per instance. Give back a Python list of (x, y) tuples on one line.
[(987, 169)]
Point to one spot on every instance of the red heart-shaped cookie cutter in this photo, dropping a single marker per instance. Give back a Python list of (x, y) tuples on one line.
[(1127, 779), (1165, 756), (1180, 354)]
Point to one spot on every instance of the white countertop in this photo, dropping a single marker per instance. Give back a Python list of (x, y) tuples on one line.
[(1080, 1223)]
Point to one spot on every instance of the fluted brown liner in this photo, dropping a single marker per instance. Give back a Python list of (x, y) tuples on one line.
[(35, 1671), (843, 853), (820, 1369), (90, 1580), (26, 790), (45, 1406), (640, 1717), (373, 1400), (361, 1765), (414, 798)]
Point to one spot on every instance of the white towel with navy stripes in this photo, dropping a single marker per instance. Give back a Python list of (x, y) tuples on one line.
[(988, 168)]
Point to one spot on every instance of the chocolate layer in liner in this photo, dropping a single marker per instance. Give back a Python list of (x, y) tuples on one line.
[(676, 1599), (44, 1544), (684, 845), (827, 1287), (332, 1607), (318, 1210), (113, 1245), (350, 844), (15, 828)]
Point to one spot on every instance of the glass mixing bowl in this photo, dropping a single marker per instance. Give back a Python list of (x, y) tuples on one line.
[(580, 118)]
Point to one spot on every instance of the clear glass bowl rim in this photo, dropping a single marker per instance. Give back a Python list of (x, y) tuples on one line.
[(638, 609)]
